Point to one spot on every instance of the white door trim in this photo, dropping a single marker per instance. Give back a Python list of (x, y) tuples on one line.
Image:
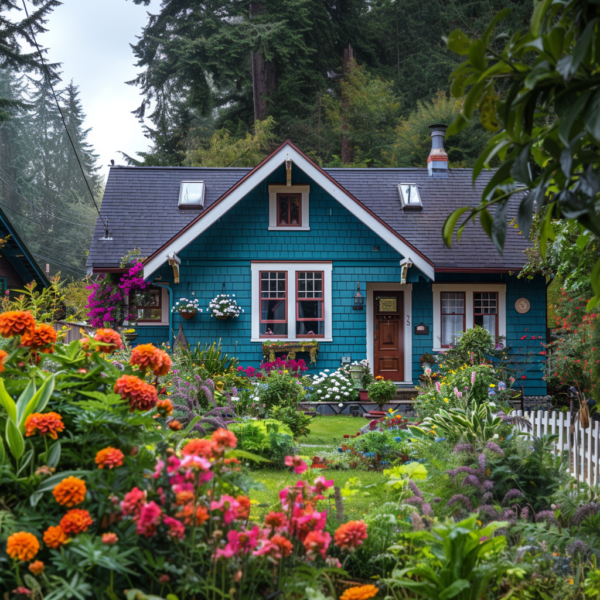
[(395, 287)]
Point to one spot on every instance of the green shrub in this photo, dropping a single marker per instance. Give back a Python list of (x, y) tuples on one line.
[(295, 419), (280, 389), (474, 346), (382, 391), (267, 438)]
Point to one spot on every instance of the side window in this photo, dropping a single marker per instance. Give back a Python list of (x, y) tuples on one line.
[(310, 317), (485, 311), (453, 316), (273, 303), (289, 210), (147, 305)]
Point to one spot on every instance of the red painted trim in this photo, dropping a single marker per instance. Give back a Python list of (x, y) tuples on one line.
[(250, 173), (442, 313), (285, 262), (437, 158), (298, 197), (321, 300), (285, 304), (109, 270), (476, 270), (497, 314)]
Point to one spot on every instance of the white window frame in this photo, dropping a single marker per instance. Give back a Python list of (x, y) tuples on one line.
[(164, 310), (288, 189), (291, 269), (468, 289)]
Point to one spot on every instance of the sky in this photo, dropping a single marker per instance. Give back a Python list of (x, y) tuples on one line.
[(91, 39)]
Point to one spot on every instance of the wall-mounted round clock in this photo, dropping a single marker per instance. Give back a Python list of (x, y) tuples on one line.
[(522, 306)]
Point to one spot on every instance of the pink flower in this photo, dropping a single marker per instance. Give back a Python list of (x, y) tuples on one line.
[(176, 528), (295, 461), (228, 506), (473, 377), (438, 386), (317, 541), (132, 503), (239, 542), (313, 521), (149, 519), (321, 484)]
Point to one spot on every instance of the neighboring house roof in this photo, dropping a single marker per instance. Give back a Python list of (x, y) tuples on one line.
[(18, 255), (141, 204)]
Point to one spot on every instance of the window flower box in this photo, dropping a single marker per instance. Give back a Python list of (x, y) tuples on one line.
[(270, 349)]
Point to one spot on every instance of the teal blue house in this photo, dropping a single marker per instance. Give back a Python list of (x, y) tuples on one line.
[(348, 261)]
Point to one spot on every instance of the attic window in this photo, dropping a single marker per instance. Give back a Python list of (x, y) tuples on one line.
[(191, 194), (409, 196)]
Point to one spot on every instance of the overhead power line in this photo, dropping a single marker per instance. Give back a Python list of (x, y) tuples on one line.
[(41, 209), (60, 264), (64, 122)]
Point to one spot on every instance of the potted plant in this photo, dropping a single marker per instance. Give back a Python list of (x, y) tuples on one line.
[(187, 308), (130, 335), (381, 391), (427, 360), (224, 307)]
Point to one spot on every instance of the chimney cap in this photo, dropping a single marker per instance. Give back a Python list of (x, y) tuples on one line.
[(438, 127)]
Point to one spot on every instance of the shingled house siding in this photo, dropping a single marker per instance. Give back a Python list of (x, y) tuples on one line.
[(223, 255)]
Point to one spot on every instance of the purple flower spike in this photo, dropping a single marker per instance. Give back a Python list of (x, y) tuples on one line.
[(463, 499), (494, 448)]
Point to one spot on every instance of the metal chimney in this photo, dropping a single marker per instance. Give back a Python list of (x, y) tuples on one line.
[(437, 161)]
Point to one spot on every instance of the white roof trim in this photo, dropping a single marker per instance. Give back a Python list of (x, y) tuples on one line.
[(255, 179)]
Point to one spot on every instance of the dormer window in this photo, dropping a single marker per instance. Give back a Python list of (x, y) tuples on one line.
[(289, 210), (191, 194), (288, 207), (409, 196)]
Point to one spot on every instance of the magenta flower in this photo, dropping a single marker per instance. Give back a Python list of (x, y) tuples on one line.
[(295, 461), (473, 377)]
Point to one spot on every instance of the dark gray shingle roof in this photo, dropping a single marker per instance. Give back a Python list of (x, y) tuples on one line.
[(141, 206)]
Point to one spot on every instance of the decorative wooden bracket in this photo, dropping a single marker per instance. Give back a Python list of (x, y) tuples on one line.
[(174, 261)]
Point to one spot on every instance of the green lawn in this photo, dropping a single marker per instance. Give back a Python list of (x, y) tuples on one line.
[(361, 489)]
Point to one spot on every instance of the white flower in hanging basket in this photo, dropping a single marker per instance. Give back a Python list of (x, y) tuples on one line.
[(224, 306)]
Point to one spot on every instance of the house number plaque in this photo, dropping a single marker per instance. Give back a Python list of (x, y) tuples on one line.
[(522, 306)]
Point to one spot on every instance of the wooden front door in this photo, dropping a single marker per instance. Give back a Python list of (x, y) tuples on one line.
[(388, 337)]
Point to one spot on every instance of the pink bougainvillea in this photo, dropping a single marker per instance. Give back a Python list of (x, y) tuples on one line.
[(106, 303)]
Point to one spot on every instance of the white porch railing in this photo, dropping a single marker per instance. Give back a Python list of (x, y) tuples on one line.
[(582, 446)]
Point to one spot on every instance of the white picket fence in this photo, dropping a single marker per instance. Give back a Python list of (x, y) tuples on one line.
[(582, 448)]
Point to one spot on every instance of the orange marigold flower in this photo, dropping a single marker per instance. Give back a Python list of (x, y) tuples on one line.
[(16, 322), (362, 592), (175, 425), (109, 457), (3, 357), (284, 545), (139, 394), (350, 535), (36, 567), (111, 340), (197, 447), (54, 537), (186, 514), (183, 498), (224, 439), (42, 335), (242, 512), (110, 539), (164, 408), (22, 546), (70, 491), (76, 521), (165, 365), (147, 356), (44, 423)]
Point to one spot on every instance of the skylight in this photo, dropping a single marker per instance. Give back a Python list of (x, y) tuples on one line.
[(191, 194), (409, 196)]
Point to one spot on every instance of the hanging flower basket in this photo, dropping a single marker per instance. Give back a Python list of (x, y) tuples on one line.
[(187, 308), (224, 307)]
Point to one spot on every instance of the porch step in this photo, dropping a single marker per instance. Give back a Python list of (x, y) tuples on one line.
[(406, 394)]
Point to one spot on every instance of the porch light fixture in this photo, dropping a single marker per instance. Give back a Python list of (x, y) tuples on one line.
[(288, 170), (359, 301)]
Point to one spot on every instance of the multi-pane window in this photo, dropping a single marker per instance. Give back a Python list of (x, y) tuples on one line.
[(289, 210), (453, 316), (273, 303), (147, 305), (310, 319), (485, 311)]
